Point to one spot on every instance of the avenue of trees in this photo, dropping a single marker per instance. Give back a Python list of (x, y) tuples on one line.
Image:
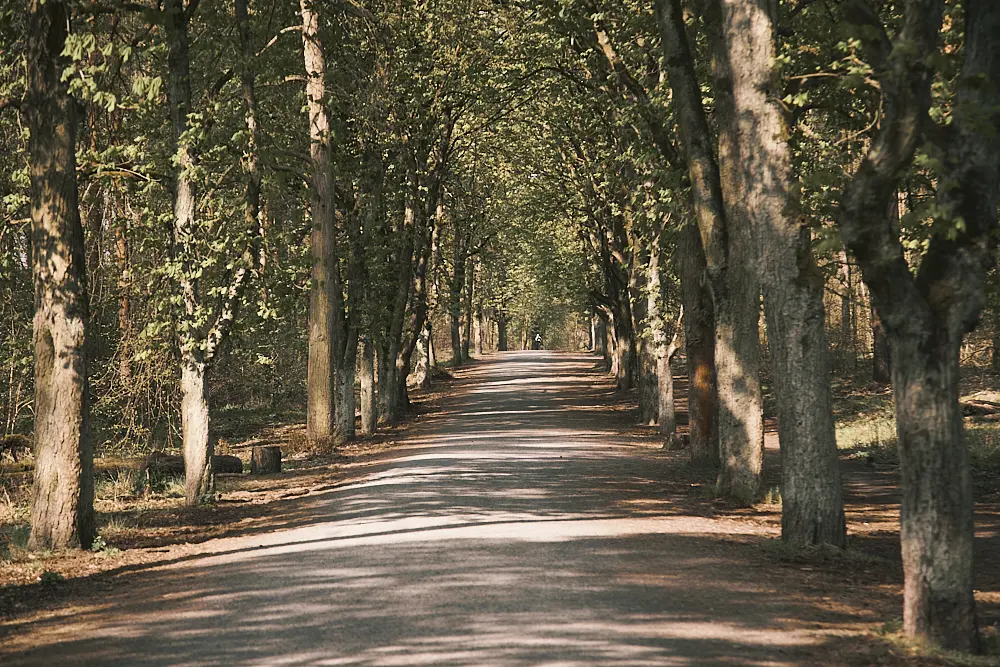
[(243, 203)]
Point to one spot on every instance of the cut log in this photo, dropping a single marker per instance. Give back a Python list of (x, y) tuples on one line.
[(168, 464), (224, 463), (265, 460)]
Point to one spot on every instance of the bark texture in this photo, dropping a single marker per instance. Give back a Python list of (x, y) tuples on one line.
[(320, 380), (369, 404), (194, 350), (62, 514), (699, 350), (926, 315), (812, 507), (728, 245)]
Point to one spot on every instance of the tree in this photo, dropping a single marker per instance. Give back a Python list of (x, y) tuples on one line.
[(717, 200), (812, 509), (926, 313), (62, 512)]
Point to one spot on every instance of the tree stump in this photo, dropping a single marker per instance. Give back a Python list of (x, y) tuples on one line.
[(265, 460)]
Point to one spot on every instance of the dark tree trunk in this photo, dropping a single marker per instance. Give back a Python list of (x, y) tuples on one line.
[(881, 354), (645, 297), (601, 340), (699, 350), (926, 316), (729, 247), (501, 333), (467, 337), (62, 513)]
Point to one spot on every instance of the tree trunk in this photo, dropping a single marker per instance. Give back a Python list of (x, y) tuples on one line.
[(846, 331), (926, 315), (347, 403), (601, 340), (199, 481), (812, 508), (431, 349), (466, 338), (456, 338), (388, 395), (421, 370), (665, 372), (654, 343), (124, 303), (62, 513), (477, 333), (716, 190), (320, 374), (881, 354), (699, 350), (501, 333), (369, 404), (936, 512)]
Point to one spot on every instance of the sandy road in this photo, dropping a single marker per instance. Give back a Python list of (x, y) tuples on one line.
[(516, 526)]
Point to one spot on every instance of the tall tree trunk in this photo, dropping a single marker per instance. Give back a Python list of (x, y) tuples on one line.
[(654, 343), (389, 353), (812, 508), (845, 305), (699, 350), (601, 340), (421, 370), (454, 317), (466, 338), (927, 315), (347, 402), (369, 404), (320, 374), (716, 190), (194, 398), (124, 303), (665, 371), (431, 349), (62, 512)]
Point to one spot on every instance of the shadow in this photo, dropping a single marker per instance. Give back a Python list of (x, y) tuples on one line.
[(522, 522)]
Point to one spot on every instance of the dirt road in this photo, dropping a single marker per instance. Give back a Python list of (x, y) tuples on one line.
[(519, 525)]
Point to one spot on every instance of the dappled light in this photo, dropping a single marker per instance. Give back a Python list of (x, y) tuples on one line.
[(475, 542)]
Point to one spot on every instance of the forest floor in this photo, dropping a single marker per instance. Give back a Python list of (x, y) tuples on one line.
[(520, 517)]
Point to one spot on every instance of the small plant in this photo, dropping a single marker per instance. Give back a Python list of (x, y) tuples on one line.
[(101, 546), (772, 496), (50, 578)]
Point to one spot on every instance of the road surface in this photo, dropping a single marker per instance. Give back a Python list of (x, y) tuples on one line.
[(518, 525)]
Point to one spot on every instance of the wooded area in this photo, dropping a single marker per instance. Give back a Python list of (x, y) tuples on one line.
[(238, 205)]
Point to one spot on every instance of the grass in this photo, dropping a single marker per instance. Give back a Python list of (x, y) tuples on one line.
[(989, 646), (872, 438)]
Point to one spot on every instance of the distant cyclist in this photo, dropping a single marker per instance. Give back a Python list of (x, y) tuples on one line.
[(538, 342)]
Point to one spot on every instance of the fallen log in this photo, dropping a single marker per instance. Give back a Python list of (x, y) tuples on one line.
[(169, 464)]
